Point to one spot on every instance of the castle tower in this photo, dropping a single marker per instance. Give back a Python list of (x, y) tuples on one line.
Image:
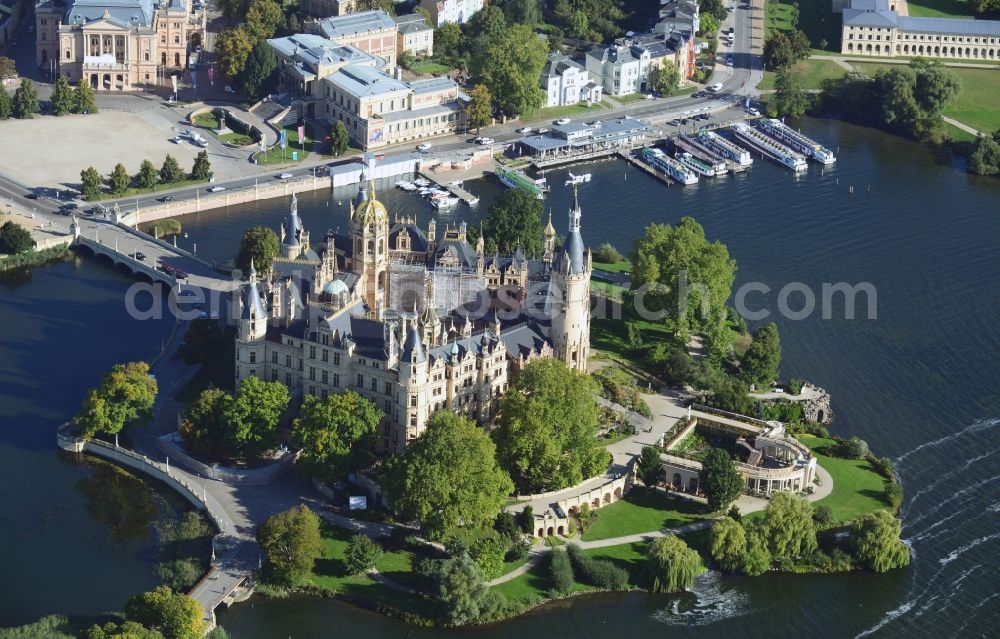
[(294, 237), (549, 237), (413, 378), (251, 328), (369, 230), (570, 307)]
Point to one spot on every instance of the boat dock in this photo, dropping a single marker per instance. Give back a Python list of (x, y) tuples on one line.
[(736, 156), (770, 147), (454, 189), (696, 149), (648, 168), (785, 134)]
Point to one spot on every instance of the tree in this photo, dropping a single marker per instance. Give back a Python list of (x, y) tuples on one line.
[(91, 183), (8, 68), (546, 435), (291, 543), (260, 75), (608, 254), (720, 480), (671, 565), (728, 545), (714, 7), (204, 426), (526, 520), (515, 221), (253, 415), (83, 98), (119, 179), (578, 25), (778, 51), (6, 107), (202, 169), (462, 592), (171, 171), (522, 12), (175, 615), (263, 18), (758, 557), (984, 158), (488, 553), (480, 110), (875, 538), (232, 48), (124, 630), (336, 435), (708, 26), (788, 526), (361, 555), (686, 277), (560, 572), (664, 79), (789, 97), (25, 100), (449, 476), (760, 363), (854, 448), (800, 45), (555, 37), (510, 66), (260, 245), (447, 39), (126, 395), (62, 97), (339, 139), (650, 467), (147, 175), (14, 239)]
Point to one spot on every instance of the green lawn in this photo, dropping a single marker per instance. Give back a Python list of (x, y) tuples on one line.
[(611, 290), (815, 19), (812, 72), (534, 584), (610, 333), (275, 155), (643, 511), (942, 9), (780, 16), (236, 139), (329, 573), (568, 111), (976, 103), (134, 191), (614, 267), (630, 98), (430, 66), (206, 121), (957, 134), (857, 488)]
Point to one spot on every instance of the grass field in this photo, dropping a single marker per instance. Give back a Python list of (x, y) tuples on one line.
[(329, 573), (976, 103), (236, 139), (206, 121), (568, 111), (812, 72), (815, 19), (857, 488), (430, 66), (942, 9), (642, 511), (957, 134), (610, 333), (630, 98), (613, 267), (275, 155)]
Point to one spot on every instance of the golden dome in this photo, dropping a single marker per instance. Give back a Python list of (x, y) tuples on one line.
[(367, 209)]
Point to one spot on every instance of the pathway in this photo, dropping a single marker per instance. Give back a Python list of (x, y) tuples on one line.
[(964, 127)]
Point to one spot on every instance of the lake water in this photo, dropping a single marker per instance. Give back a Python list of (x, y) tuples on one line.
[(919, 383)]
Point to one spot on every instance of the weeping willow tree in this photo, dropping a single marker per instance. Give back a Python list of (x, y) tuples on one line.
[(672, 565)]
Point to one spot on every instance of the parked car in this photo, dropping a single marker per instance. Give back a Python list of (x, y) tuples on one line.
[(230, 89), (754, 112), (424, 147), (69, 206), (166, 198), (285, 176), (675, 122), (714, 88), (482, 140), (139, 256), (562, 121), (216, 189), (525, 130)]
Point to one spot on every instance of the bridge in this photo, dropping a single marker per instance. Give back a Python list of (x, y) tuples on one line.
[(145, 255)]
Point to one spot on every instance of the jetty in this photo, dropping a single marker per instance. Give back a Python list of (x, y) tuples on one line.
[(785, 134), (769, 147)]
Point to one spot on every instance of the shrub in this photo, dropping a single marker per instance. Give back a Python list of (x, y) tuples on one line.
[(794, 386), (526, 520), (489, 554), (606, 252), (893, 495), (734, 513), (362, 554), (822, 515), (597, 572), (883, 466), (506, 524), (518, 550), (560, 573), (853, 448)]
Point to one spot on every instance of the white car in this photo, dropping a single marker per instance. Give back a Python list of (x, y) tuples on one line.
[(562, 121), (525, 130), (714, 88), (424, 147), (216, 189), (482, 140), (754, 112), (285, 176)]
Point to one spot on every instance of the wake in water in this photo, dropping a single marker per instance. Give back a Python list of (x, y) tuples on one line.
[(710, 604), (951, 479)]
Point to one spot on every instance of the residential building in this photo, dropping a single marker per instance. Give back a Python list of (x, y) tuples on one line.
[(324, 8), (676, 48), (567, 82), (458, 11), (414, 35), (874, 28), (117, 45), (414, 321), (373, 32), (334, 82), (620, 69)]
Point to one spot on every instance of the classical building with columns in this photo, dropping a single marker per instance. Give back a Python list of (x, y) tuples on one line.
[(883, 28), (416, 321), (117, 45)]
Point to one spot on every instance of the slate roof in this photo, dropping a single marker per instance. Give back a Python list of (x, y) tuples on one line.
[(125, 13), (352, 24), (523, 340), (460, 347), (467, 255), (418, 239), (361, 81), (950, 26), (412, 23)]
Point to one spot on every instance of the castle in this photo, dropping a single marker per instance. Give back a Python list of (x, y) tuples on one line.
[(414, 321)]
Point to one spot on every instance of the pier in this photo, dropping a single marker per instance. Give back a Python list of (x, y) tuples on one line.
[(770, 147), (648, 168)]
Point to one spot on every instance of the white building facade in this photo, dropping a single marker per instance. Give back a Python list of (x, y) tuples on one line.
[(457, 11), (568, 82)]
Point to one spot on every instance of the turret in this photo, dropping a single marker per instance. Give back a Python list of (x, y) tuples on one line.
[(570, 310)]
